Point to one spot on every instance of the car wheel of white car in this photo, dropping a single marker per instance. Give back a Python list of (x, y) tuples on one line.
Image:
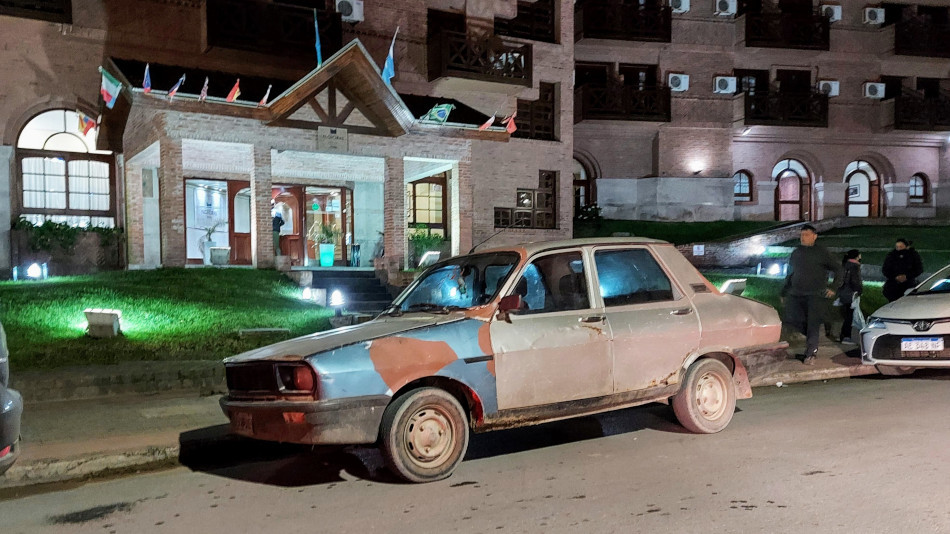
[(424, 435), (888, 370), (707, 400)]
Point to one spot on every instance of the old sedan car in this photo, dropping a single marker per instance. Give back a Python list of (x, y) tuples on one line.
[(503, 338), (11, 408), (913, 331)]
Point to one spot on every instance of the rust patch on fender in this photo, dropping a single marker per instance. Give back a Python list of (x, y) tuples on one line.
[(396, 358), (484, 345)]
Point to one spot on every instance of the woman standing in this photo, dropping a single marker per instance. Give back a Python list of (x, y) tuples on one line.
[(901, 268), (850, 290)]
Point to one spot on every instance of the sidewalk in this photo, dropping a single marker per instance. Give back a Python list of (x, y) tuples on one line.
[(130, 430)]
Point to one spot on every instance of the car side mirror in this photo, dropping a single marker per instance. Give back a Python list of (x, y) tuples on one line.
[(507, 305)]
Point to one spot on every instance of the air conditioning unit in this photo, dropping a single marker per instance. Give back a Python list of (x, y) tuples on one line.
[(350, 10), (678, 82), (679, 6), (724, 84), (874, 90), (727, 7), (828, 87), (874, 15), (832, 12)]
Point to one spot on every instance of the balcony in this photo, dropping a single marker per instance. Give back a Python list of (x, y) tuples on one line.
[(920, 37), (624, 20), (535, 22), (49, 10), (787, 30), (276, 29), (621, 103), (487, 59), (914, 111), (786, 109), (536, 118)]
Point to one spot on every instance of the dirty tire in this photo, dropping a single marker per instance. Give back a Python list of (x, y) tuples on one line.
[(707, 400), (424, 435), (891, 370)]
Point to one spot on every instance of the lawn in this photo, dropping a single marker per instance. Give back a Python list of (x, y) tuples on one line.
[(678, 233), (167, 314), (932, 242)]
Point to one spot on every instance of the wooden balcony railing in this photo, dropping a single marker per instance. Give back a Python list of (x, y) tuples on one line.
[(786, 109), (914, 111), (49, 10), (491, 59), (278, 29), (624, 20), (920, 37), (536, 118), (622, 103), (787, 30), (535, 21)]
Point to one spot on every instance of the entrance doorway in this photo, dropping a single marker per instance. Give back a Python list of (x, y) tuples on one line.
[(329, 219), (792, 195), (863, 196)]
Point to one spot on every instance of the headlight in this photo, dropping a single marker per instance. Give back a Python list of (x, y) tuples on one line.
[(874, 322)]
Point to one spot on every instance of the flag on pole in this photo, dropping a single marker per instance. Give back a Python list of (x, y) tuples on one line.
[(147, 82), (316, 31), (85, 123), (389, 68), (110, 88), (173, 90), (204, 91), (235, 91), (263, 101), (510, 122), (488, 123), (439, 113)]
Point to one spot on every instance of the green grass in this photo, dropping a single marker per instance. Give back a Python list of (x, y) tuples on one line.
[(678, 233), (167, 314), (932, 242)]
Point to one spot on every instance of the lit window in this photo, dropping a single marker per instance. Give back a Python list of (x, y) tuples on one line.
[(918, 189), (742, 189)]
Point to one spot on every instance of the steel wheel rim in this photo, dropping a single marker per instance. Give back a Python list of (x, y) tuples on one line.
[(711, 395), (428, 437)]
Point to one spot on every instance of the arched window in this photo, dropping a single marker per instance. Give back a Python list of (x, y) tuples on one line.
[(792, 197), (584, 193), (863, 195), (919, 191), (742, 189), (63, 177)]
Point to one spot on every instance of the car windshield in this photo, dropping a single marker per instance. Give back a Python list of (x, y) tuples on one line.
[(938, 283), (460, 282)]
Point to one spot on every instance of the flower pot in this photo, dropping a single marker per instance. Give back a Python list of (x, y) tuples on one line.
[(205, 247), (327, 252)]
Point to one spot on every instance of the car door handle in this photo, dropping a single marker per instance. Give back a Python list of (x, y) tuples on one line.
[(682, 311), (592, 319)]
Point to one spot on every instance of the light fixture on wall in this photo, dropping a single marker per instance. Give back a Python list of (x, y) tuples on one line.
[(746, 130), (697, 171)]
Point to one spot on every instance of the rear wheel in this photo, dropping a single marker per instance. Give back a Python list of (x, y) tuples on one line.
[(897, 370), (707, 400), (424, 435)]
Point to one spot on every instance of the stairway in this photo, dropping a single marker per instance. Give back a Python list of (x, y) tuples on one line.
[(362, 291)]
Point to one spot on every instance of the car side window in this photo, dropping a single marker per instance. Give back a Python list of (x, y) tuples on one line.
[(556, 282), (631, 276)]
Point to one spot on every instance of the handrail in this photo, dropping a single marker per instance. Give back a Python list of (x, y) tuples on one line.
[(491, 58)]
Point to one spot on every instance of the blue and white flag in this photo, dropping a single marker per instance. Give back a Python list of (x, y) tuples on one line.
[(147, 82), (173, 90), (389, 68), (316, 31)]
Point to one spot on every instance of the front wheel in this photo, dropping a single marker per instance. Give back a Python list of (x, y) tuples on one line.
[(424, 435), (888, 370), (707, 400)]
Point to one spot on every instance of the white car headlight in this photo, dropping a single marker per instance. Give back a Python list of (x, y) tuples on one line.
[(874, 322)]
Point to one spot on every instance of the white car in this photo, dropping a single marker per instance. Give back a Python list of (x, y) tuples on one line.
[(913, 331)]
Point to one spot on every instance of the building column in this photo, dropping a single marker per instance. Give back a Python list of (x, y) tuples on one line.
[(172, 202), (895, 197), (134, 232), (765, 199), (262, 236), (6, 189), (830, 200), (394, 214)]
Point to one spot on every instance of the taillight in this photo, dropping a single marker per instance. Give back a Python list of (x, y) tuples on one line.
[(296, 377)]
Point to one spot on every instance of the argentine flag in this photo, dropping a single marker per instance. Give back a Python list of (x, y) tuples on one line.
[(389, 68)]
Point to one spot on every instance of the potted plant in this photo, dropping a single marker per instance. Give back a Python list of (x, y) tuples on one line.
[(422, 240), (325, 235), (205, 243)]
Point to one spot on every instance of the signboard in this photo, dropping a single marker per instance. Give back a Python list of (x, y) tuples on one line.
[(332, 139), (699, 250)]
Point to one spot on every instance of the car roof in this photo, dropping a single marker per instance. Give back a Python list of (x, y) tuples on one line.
[(540, 246)]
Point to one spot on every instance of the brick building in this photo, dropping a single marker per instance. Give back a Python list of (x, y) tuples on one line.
[(680, 110)]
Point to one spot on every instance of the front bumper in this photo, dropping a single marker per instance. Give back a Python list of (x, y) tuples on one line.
[(352, 420), (882, 346), (11, 410)]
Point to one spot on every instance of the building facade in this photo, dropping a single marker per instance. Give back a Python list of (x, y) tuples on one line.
[(679, 110)]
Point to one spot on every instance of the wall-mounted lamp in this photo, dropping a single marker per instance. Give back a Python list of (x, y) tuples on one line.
[(696, 172), (746, 130)]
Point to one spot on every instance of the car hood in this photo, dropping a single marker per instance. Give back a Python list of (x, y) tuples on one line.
[(301, 347), (910, 307)]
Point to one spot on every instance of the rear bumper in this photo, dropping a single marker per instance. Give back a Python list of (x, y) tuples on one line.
[(11, 410), (353, 420)]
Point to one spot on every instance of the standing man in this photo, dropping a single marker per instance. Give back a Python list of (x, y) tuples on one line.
[(806, 289), (901, 268), (277, 222)]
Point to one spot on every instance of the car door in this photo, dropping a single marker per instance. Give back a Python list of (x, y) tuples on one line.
[(556, 348), (653, 325)]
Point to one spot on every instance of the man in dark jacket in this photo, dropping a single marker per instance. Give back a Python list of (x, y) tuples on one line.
[(806, 289), (901, 268)]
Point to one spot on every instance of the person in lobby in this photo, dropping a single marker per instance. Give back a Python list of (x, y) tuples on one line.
[(277, 222)]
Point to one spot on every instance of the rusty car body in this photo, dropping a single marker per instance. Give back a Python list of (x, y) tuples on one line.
[(11, 409), (508, 337)]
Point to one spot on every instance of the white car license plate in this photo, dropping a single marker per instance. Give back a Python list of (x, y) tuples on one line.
[(242, 422), (921, 344)]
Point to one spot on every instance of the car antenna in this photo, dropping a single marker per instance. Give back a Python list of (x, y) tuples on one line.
[(482, 242)]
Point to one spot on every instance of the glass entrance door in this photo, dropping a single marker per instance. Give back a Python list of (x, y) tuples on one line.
[(329, 222)]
